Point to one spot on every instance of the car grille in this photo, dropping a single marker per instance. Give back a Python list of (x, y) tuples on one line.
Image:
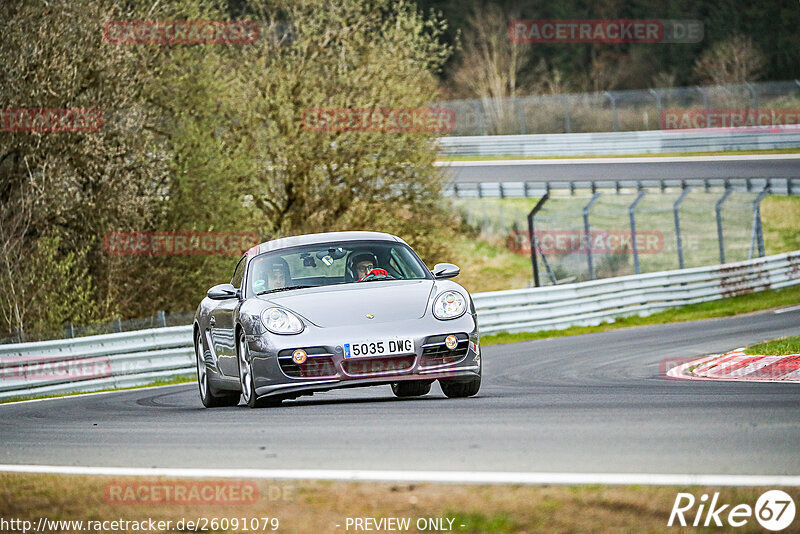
[(368, 366), (434, 351), (318, 365)]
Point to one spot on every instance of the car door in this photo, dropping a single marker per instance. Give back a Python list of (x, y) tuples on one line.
[(222, 326)]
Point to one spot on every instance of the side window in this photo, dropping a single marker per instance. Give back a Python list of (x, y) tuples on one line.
[(396, 265), (238, 273)]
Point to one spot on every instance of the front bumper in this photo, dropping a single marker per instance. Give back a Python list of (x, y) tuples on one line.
[(327, 368)]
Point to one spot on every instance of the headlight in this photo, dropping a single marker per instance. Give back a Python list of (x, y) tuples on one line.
[(449, 305), (280, 321)]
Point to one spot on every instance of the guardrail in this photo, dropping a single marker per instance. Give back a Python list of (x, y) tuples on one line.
[(591, 303), (108, 361), (134, 358), (635, 142)]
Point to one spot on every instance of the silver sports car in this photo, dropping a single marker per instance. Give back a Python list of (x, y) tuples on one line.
[(342, 309)]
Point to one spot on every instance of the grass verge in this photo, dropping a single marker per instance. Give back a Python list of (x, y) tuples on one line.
[(641, 155), (316, 506), (776, 347), (752, 302)]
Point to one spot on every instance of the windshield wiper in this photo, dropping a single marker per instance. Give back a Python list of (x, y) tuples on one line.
[(287, 288)]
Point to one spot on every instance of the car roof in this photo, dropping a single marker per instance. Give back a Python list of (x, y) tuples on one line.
[(324, 237)]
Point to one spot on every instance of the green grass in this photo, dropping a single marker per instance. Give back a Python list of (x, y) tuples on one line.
[(645, 154), (776, 347), (752, 302), (154, 383), (780, 215)]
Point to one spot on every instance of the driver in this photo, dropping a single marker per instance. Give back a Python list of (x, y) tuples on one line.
[(361, 264), (271, 273), (277, 276), (364, 265)]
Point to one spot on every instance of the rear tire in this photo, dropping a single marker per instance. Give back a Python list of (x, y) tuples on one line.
[(456, 390), (208, 396), (415, 388)]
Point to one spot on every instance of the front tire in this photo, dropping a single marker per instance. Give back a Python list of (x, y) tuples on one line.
[(209, 397), (413, 388), (455, 390), (248, 383)]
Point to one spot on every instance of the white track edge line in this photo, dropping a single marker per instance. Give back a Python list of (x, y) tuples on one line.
[(789, 309), (452, 477)]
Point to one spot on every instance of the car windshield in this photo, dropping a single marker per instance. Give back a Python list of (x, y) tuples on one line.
[(334, 263)]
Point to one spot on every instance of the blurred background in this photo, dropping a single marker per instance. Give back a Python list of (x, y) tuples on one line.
[(210, 138)]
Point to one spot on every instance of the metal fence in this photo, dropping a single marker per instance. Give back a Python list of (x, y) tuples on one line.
[(587, 231), (135, 358), (610, 111)]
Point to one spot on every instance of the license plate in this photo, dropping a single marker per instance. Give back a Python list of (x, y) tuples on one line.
[(384, 347)]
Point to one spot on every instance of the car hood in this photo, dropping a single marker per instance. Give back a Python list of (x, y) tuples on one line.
[(349, 304)]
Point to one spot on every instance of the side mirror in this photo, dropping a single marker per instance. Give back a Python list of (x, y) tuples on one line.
[(222, 292), (445, 270)]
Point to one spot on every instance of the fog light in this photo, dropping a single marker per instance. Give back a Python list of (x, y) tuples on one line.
[(450, 342), (299, 356)]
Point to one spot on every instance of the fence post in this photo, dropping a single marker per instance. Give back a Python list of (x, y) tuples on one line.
[(481, 122), (521, 115), (757, 236), (586, 232), (532, 236), (69, 330), (632, 216), (659, 106), (718, 211), (117, 324), (704, 93), (567, 118), (675, 212), (614, 116), (753, 94), (161, 318)]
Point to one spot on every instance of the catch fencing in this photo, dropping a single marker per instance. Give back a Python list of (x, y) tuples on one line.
[(611, 111), (601, 229), (134, 358)]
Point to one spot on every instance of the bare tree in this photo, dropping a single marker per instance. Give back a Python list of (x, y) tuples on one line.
[(734, 60), (491, 63)]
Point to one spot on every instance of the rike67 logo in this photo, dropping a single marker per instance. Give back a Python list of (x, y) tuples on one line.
[(774, 510)]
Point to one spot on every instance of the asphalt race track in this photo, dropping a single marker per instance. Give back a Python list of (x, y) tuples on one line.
[(650, 168), (592, 404)]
